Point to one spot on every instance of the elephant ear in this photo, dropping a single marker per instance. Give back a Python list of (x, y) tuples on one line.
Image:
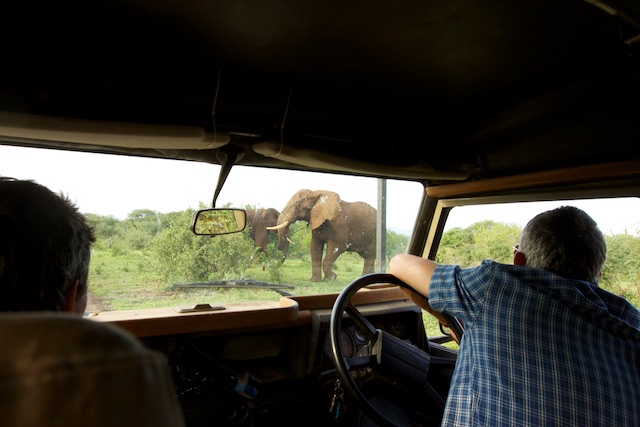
[(326, 207)]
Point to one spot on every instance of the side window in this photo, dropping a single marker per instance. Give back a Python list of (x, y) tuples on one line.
[(478, 232)]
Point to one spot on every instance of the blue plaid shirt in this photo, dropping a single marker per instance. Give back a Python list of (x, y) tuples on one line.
[(538, 349)]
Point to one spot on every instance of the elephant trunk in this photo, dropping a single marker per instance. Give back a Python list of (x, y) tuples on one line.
[(283, 235), (283, 239)]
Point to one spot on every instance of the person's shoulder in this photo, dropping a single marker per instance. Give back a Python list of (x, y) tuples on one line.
[(485, 266), (36, 333), (511, 275), (81, 372)]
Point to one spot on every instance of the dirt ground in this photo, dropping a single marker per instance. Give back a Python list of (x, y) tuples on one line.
[(94, 305)]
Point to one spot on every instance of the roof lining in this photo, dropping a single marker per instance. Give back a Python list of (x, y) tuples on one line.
[(316, 159), (110, 134)]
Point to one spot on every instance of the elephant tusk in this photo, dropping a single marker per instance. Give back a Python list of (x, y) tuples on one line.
[(278, 227), (290, 241)]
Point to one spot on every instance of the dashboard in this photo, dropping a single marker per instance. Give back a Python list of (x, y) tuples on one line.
[(281, 375), (270, 363)]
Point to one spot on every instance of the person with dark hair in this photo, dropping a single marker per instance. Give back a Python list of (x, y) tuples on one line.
[(542, 344), (45, 247), (58, 368)]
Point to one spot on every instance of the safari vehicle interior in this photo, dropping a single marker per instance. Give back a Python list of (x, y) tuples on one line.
[(473, 103)]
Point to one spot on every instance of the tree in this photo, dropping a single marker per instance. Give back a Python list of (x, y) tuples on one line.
[(396, 243), (104, 227), (483, 240)]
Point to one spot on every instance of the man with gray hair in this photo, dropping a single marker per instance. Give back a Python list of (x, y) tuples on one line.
[(565, 241), (543, 344)]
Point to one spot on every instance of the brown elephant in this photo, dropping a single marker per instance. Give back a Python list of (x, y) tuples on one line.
[(258, 219), (341, 226)]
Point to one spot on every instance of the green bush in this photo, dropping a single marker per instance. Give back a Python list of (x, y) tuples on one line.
[(621, 274), (300, 235), (181, 256)]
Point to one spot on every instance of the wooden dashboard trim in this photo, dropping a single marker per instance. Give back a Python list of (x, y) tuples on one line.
[(368, 295), (167, 321), (288, 311)]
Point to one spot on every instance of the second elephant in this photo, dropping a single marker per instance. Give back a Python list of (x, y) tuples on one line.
[(258, 219), (341, 226)]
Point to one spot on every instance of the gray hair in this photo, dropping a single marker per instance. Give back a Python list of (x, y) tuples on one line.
[(565, 241)]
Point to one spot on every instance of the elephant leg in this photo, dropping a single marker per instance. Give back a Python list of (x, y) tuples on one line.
[(369, 266), (316, 248), (333, 252)]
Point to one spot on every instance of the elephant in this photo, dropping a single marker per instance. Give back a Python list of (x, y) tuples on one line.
[(341, 226), (258, 219)]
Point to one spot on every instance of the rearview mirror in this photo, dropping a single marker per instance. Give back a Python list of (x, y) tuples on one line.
[(214, 222)]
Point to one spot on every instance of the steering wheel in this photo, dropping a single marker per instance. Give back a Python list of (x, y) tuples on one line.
[(390, 358)]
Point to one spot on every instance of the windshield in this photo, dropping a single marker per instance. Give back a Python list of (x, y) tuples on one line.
[(146, 255)]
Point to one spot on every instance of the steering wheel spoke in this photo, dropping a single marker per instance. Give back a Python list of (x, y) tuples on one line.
[(360, 362), (362, 322)]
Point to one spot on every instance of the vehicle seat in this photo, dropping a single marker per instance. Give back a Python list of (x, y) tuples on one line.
[(63, 370)]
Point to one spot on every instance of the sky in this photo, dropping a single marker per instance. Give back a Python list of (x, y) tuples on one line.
[(129, 183), (613, 216)]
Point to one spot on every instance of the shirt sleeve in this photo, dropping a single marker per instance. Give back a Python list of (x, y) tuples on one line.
[(460, 292)]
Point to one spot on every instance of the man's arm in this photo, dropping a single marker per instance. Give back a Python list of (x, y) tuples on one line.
[(416, 272)]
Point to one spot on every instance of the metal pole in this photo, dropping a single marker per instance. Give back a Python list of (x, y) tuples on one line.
[(381, 227)]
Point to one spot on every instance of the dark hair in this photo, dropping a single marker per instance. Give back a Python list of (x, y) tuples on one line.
[(565, 241), (45, 244)]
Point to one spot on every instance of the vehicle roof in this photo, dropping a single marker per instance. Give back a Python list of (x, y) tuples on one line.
[(440, 91)]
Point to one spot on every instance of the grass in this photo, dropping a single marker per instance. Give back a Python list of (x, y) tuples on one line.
[(127, 282), (123, 282)]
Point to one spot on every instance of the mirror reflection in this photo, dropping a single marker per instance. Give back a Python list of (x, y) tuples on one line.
[(215, 222)]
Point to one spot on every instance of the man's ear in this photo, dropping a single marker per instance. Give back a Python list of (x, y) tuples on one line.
[(519, 258), (69, 304)]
